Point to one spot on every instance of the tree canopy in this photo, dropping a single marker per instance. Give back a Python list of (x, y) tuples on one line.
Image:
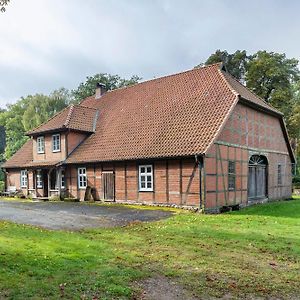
[(3, 4), (235, 63), (111, 82)]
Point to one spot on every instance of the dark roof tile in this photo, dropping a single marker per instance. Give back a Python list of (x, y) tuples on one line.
[(75, 117)]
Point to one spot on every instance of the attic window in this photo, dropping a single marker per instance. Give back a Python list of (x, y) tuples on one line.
[(55, 142), (40, 143)]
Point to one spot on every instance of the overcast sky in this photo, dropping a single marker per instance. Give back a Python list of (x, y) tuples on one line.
[(47, 44)]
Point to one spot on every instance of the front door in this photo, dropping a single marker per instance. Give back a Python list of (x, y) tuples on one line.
[(108, 186), (45, 182), (257, 177)]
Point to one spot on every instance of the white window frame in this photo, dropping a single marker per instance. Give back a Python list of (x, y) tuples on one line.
[(40, 144), (63, 180), (23, 178), (145, 174), (39, 179), (82, 178), (55, 145)]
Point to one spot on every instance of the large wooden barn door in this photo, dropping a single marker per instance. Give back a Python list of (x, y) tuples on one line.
[(108, 186), (257, 177)]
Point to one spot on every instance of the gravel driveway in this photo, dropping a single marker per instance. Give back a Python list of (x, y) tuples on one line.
[(75, 216)]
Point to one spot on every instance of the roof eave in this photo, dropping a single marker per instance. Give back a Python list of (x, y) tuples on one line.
[(135, 159), (63, 129), (260, 107)]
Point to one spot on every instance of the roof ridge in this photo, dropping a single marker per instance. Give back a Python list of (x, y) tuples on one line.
[(227, 83), (220, 64), (68, 118), (170, 75), (263, 100)]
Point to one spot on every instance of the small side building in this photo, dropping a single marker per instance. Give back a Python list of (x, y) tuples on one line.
[(197, 138)]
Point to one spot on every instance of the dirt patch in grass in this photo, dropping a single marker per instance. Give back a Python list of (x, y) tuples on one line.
[(163, 288)]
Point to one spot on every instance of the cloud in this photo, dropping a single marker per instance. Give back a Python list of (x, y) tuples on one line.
[(46, 44)]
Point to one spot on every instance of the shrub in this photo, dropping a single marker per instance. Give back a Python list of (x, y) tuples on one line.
[(1, 186), (71, 199), (55, 198)]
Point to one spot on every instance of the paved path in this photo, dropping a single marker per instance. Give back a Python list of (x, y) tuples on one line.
[(74, 216)]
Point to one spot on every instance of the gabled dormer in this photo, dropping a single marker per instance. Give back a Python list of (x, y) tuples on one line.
[(59, 136)]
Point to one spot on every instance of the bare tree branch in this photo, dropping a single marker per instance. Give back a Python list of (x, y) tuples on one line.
[(3, 3)]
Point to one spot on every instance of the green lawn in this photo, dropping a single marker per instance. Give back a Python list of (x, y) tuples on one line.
[(255, 251)]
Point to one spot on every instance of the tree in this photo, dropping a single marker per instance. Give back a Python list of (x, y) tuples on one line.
[(294, 119), (28, 113), (41, 107), (235, 63), (11, 119), (3, 3), (111, 82), (271, 75)]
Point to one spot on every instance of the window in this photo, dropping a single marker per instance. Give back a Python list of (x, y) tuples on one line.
[(231, 175), (55, 142), (39, 179), (146, 178), (24, 178), (82, 178), (279, 175), (40, 143), (62, 179)]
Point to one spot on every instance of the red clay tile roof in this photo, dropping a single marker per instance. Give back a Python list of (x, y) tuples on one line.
[(22, 157), (75, 117), (176, 115), (246, 94), (42, 163), (172, 116)]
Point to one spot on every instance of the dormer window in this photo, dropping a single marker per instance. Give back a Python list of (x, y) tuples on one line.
[(55, 142), (40, 143)]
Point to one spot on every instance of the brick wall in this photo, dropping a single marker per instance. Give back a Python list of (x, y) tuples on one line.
[(175, 182), (247, 132), (74, 139), (49, 155), (13, 178)]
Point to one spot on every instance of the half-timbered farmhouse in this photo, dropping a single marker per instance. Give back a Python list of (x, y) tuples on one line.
[(197, 138)]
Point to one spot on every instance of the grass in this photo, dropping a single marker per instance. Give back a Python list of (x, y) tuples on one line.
[(252, 252)]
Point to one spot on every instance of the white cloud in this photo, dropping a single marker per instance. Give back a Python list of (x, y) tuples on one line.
[(45, 44)]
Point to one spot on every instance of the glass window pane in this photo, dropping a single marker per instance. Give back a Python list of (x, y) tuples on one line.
[(143, 185), (142, 169), (149, 178), (143, 178), (149, 169), (149, 185)]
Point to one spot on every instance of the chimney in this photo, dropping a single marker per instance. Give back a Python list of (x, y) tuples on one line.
[(100, 90)]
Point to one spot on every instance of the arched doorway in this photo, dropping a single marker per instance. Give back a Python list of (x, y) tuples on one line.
[(258, 177)]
